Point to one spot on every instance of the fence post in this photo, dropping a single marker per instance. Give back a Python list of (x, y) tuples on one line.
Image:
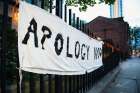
[(70, 13), (32, 83), (84, 82), (59, 6), (93, 78), (58, 84), (80, 25), (42, 4), (58, 78), (65, 17), (70, 77), (32, 2), (49, 75), (77, 76), (65, 84), (49, 83), (90, 79), (73, 21), (50, 6), (4, 50), (77, 23), (81, 83), (83, 27), (17, 71), (82, 87), (74, 77), (70, 84), (83, 76), (42, 84), (80, 77)]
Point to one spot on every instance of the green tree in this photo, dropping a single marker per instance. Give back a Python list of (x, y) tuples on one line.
[(136, 36), (83, 4)]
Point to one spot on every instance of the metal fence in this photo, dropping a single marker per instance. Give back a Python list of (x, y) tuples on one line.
[(38, 83)]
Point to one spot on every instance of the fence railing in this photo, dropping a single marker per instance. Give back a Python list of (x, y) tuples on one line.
[(38, 83)]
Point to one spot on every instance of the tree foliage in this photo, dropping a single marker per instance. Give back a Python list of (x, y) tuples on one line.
[(135, 37), (83, 4)]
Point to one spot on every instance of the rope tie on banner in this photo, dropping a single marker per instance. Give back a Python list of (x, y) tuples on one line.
[(20, 80)]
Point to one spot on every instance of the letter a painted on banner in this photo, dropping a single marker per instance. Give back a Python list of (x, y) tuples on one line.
[(32, 28)]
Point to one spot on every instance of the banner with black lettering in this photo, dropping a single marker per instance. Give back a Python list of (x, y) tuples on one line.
[(48, 45)]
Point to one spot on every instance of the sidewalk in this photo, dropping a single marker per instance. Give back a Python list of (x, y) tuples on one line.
[(128, 80), (99, 86), (125, 79)]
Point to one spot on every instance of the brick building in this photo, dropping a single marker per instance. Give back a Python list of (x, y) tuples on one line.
[(114, 30)]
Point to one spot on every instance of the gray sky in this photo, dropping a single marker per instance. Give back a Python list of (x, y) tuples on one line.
[(92, 12), (131, 12)]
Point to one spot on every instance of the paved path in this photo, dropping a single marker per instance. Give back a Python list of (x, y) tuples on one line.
[(127, 80)]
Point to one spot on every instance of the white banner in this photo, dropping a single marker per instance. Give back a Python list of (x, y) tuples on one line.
[(48, 45)]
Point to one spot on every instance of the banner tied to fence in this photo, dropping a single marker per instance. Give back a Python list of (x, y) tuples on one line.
[(48, 45)]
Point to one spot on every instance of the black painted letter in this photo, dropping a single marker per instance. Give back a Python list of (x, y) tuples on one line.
[(45, 28), (87, 51), (77, 49), (82, 54), (32, 28), (58, 38), (68, 54)]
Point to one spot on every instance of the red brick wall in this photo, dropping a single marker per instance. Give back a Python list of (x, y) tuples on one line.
[(111, 29)]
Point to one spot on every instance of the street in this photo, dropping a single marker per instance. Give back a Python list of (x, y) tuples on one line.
[(128, 79)]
